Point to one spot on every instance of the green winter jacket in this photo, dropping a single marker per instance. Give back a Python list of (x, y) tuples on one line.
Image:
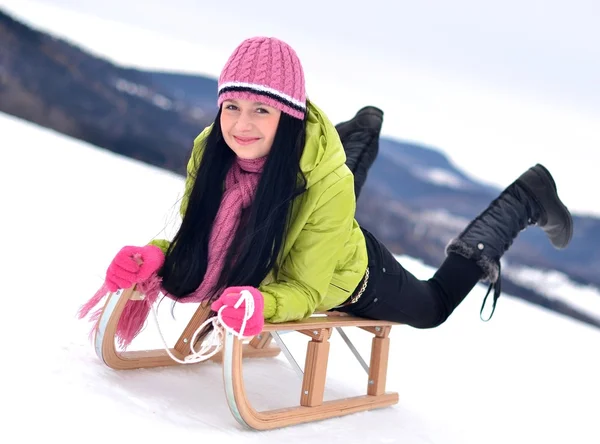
[(324, 256)]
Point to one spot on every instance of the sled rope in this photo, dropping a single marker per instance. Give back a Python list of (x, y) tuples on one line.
[(215, 337)]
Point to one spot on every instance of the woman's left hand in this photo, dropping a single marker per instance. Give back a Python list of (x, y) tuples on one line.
[(243, 312)]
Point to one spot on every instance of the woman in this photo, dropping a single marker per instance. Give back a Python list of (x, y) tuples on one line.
[(269, 207)]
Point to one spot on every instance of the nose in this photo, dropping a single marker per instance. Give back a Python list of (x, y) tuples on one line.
[(243, 123)]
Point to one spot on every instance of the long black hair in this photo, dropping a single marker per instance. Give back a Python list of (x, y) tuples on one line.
[(258, 242)]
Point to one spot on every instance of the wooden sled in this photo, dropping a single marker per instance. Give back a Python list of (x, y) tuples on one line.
[(319, 329)]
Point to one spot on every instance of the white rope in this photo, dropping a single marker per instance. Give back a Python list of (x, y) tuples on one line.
[(215, 338)]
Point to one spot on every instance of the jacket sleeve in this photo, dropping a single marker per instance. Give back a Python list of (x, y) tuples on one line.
[(304, 277), (191, 170)]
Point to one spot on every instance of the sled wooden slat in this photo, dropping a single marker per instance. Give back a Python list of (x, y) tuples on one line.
[(318, 322), (201, 315), (313, 384), (311, 407), (261, 340), (378, 367)]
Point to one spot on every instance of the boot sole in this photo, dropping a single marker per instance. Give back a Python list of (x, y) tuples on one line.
[(361, 120), (554, 204)]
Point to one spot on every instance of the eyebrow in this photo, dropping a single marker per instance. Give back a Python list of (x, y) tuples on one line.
[(255, 103)]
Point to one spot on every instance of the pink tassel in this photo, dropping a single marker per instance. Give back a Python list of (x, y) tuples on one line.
[(94, 300), (134, 314), (89, 305)]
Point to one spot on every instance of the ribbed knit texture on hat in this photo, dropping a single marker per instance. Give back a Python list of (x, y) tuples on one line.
[(266, 70)]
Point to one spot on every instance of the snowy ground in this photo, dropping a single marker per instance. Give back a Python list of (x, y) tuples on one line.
[(526, 376)]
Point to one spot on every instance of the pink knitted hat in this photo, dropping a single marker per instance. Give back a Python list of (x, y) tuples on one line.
[(266, 70)]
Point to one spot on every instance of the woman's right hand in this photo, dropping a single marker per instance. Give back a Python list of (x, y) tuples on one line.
[(132, 265)]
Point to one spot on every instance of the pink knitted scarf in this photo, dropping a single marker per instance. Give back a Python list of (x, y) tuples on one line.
[(240, 185)]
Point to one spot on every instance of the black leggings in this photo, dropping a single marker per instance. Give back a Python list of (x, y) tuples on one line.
[(394, 294)]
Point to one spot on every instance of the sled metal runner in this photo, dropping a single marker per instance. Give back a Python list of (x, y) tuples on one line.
[(311, 406)]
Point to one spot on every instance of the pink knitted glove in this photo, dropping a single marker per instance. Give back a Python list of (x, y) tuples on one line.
[(233, 318), (132, 265)]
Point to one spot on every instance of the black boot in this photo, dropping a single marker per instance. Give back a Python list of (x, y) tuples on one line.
[(530, 200), (360, 138)]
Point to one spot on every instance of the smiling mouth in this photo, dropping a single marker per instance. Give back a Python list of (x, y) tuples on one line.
[(245, 140)]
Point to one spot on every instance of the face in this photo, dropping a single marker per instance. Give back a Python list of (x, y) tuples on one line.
[(249, 127)]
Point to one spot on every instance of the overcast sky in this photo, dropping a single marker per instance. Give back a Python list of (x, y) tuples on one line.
[(497, 88), (547, 48)]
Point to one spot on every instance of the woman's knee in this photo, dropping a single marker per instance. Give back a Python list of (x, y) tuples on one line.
[(429, 307)]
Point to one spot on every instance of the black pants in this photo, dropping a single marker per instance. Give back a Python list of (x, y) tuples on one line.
[(394, 294)]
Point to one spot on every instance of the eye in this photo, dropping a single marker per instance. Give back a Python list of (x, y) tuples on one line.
[(231, 107), (262, 111)]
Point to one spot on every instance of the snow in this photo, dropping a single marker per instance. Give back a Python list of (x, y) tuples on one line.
[(444, 218), (528, 375), (143, 92), (440, 176), (556, 285)]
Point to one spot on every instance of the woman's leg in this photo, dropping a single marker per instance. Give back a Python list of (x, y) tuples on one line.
[(360, 138), (395, 294)]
